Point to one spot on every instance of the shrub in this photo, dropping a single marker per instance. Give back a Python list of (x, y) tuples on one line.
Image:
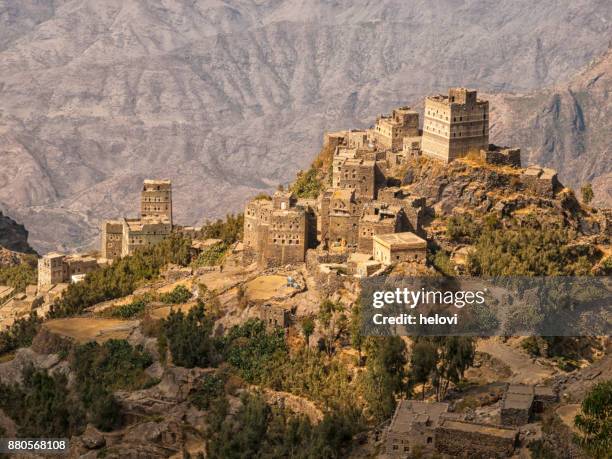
[(228, 230), (307, 184), (20, 334), (130, 310), (180, 294), (211, 256), (18, 276), (41, 406), (189, 337)]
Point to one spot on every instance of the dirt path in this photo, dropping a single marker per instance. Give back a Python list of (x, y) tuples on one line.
[(524, 370)]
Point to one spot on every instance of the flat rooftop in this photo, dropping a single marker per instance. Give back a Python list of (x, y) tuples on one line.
[(409, 412), (518, 401), (406, 240), (157, 182)]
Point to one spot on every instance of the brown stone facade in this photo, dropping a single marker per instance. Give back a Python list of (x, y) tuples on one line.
[(55, 268), (472, 440), (276, 231), (390, 130), (455, 125), (156, 200)]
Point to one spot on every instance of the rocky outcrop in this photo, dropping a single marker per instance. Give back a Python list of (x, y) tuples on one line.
[(13, 241), (11, 372)]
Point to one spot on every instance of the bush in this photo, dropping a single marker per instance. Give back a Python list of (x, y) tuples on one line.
[(595, 420), (180, 294), (251, 350), (100, 369), (211, 388), (211, 256), (257, 430), (530, 249), (20, 334), (41, 406), (130, 310), (189, 337), (228, 230), (307, 184), (18, 276)]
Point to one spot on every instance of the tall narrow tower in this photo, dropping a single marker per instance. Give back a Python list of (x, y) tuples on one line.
[(454, 125), (156, 200)]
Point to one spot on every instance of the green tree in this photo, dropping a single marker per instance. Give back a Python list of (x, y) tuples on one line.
[(331, 323), (229, 230), (587, 193), (595, 421), (308, 327), (189, 337), (42, 405), (423, 362), (357, 338), (386, 374), (18, 276)]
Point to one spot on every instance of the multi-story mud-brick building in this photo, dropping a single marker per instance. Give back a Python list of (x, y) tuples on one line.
[(276, 230), (390, 130), (455, 125), (156, 200)]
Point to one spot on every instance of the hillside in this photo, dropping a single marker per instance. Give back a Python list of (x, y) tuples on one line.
[(566, 127), (230, 98)]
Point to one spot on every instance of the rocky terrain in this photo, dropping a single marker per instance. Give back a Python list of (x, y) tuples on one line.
[(566, 127), (230, 98), (13, 241)]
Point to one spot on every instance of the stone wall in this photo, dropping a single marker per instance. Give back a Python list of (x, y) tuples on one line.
[(463, 439)]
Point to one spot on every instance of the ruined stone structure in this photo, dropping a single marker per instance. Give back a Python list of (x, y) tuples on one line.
[(541, 180), (468, 439), (156, 200), (274, 315), (502, 156), (520, 402), (455, 125), (399, 247), (56, 268), (275, 231), (390, 130)]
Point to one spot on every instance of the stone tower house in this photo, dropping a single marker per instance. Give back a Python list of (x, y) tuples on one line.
[(156, 200), (455, 125)]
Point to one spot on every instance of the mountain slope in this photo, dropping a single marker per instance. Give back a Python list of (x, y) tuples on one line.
[(228, 98), (566, 127)]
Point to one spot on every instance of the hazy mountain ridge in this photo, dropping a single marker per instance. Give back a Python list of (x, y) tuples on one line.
[(566, 127), (229, 98)]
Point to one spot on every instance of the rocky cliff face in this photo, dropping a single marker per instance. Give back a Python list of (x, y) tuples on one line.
[(13, 238), (230, 98), (566, 127)]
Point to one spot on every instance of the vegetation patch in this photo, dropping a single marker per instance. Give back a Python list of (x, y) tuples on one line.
[(20, 334), (19, 276)]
